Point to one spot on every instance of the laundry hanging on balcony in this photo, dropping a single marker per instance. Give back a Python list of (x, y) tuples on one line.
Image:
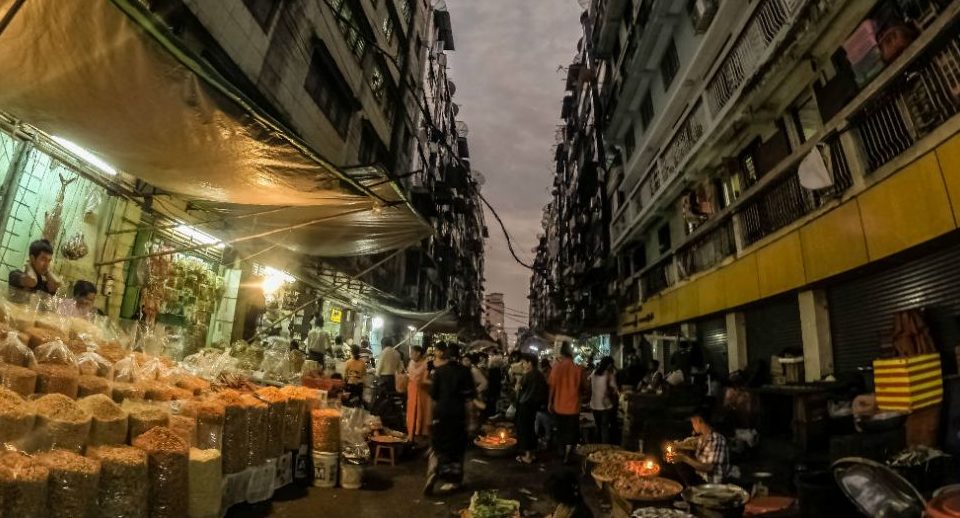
[(813, 171), (121, 86)]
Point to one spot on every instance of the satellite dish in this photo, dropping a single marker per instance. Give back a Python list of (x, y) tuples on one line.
[(462, 129), (452, 87), (456, 109)]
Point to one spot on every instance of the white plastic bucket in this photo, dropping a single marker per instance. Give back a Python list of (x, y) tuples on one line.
[(325, 469), (351, 476)]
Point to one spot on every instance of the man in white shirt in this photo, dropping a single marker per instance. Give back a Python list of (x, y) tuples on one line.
[(390, 363), (317, 344)]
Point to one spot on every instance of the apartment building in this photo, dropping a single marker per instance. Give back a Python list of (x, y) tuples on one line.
[(782, 175)]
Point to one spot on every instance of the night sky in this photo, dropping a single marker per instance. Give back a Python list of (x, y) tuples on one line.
[(509, 90)]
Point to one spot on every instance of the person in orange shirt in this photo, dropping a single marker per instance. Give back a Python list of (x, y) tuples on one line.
[(566, 378)]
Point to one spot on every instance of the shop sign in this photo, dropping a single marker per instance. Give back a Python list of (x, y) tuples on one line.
[(336, 315)]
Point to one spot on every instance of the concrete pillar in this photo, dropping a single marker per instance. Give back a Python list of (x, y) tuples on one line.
[(815, 326), (736, 341)]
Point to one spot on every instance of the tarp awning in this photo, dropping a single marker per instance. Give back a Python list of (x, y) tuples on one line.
[(106, 76)]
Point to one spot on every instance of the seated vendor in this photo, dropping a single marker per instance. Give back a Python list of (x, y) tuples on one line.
[(711, 456), (36, 276), (81, 305)]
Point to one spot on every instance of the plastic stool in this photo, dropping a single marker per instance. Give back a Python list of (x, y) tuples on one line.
[(385, 454)]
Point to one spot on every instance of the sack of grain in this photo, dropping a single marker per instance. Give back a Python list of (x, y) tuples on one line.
[(23, 484), (92, 363), (126, 369), (209, 416), (276, 415), (168, 464), (72, 489), (21, 316), (256, 426), (295, 416), (89, 385), (53, 378), (15, 352), (109, 421), (21, 380), (123, 391), (143, 416), (192, 383), (185, 427), (61, 423), (205, 483), (235, 450), (124, 483), (16, 419), (113, 353), (38, 337), (325, 430)]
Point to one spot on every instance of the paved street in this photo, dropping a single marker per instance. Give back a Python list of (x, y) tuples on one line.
[(395, 491)]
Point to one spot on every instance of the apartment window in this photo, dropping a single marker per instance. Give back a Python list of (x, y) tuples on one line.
[(352, 25), (646, 110), (388, 27), (669, 65), (372, 148), (663, 239), (630, 143), (329, 90), (406, 11)]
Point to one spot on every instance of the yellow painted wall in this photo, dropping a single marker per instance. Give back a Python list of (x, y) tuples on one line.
[(916, 204)]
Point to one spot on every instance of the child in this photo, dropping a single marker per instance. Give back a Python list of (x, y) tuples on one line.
[(564, 488)]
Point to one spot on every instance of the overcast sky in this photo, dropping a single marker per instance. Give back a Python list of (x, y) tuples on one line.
[(509, 91)]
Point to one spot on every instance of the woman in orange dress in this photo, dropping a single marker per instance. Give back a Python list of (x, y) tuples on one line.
[(418, 395)]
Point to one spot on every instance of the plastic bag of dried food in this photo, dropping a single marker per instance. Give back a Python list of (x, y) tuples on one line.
[(276, 365), (55, 352), (126, 370), (235, 439), (24, 480), (124, 484), (276, 415), (144, 416), (72, 489), (56, 378), (168, 461), (61, 423), (206, 479), (256, 425), (21, 380), (16, 419), (209, 419), (109, 421), (91, 363), (294, 416), (15, 352), (152, 369)]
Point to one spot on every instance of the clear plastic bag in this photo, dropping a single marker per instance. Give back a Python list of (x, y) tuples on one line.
[(354, 429), (15, 352), (92, 364), (55, 352), (152, 369), (73, 481), (276, 365), (126, 370), (168, 468), (124, 485)]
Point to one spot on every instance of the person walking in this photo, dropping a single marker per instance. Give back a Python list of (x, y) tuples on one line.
[(452, 387), (418, 395), (565, 382), (387, 368), (603, 398), (532, 398), (355, 371)]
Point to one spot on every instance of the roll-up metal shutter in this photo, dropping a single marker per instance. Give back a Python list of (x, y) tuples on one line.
[(862, 309), (712, 335), (772, 326)]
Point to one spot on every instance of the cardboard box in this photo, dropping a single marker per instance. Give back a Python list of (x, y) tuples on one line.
[(907, 384)]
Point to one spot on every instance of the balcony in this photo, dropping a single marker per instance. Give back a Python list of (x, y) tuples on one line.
[(658, 277), (607, 19), (707, 250), (925, 96), (784, 200)]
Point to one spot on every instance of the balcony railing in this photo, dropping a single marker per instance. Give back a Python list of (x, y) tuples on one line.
[(707, 250), (680, 146), (747, 53), (657, 278), (908, 109), (785, 201)]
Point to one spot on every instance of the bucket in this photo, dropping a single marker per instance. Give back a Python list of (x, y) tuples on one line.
[(351, 475), (325, 469)]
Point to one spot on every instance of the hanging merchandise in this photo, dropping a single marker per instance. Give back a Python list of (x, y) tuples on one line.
[(76, 247), (54, 219), (93, 203)]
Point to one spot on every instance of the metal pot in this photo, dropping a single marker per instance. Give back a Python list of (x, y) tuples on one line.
[(716, 500)]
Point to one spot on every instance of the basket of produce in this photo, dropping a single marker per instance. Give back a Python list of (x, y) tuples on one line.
[(646, 489), (611, 455), (496, 444)]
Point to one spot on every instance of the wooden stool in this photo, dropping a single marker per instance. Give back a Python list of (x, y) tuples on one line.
[(386, 454)]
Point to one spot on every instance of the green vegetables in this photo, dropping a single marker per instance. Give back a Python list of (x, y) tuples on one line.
[(486, 504)]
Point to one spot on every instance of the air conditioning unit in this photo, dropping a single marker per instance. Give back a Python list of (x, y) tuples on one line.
[(702, 13)]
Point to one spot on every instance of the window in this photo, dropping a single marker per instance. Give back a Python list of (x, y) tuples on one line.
[(377, 82), (646, 110), (388, 27), (353, 26), (328, 89), (663, 239), (630, 143), (263, 11), (406, 11), (669, 65), (372, 149), (806, 117)]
